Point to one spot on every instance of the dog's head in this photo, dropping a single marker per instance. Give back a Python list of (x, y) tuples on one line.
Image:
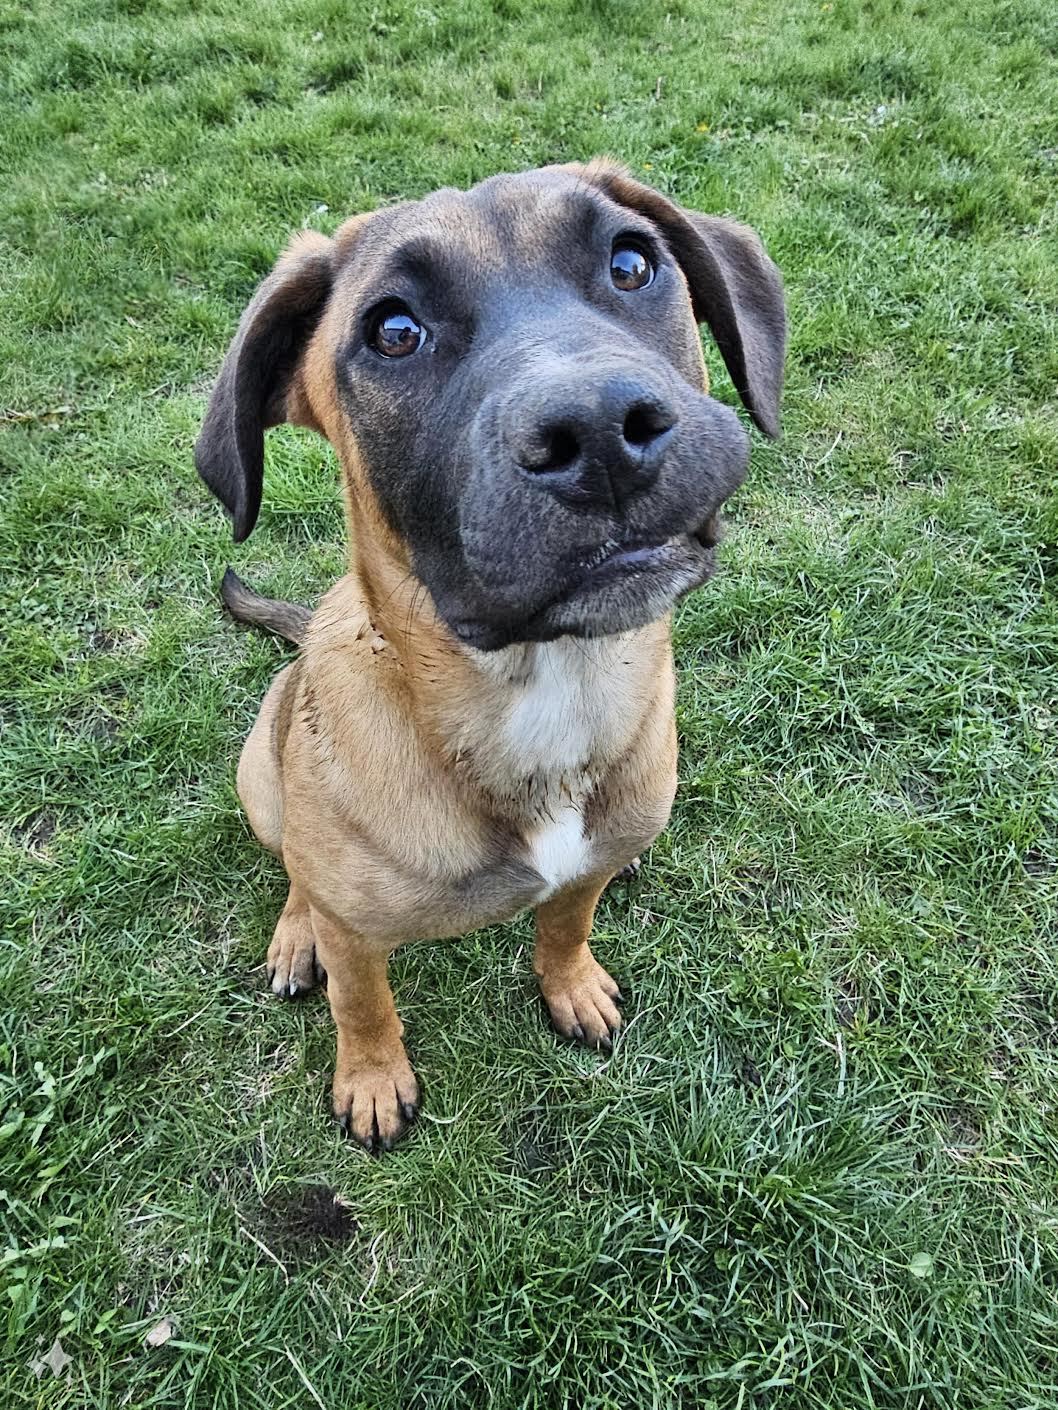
[(514, 375)]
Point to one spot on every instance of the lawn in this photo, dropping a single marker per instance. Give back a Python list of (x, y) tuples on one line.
[(821, 1167)]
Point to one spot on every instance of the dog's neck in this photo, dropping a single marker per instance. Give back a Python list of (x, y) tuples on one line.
[(525, 723), (553, 714)]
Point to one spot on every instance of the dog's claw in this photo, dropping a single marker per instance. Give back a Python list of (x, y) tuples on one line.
[(409, 1111), (291, 962)]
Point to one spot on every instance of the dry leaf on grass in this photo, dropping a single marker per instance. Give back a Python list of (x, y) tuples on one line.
[(56, 1361), (161, 1333)]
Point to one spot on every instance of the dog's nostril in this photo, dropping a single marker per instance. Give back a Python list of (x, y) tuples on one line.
[(645, 423), (556, 448), (564, 448)]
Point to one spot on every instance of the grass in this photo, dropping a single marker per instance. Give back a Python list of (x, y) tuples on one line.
[(820, 1169)]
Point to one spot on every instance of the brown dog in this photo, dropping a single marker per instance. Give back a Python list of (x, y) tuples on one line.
[(481, 716)]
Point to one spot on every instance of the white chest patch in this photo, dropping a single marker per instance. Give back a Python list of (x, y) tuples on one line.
[(567, 707), (566, 715), (552, 724), (559, 850), (569, 702)]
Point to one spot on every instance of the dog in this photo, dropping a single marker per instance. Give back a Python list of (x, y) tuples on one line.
[(480, 719)]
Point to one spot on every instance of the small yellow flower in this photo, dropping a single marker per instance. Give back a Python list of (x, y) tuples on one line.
[(648, 166), (702, 127)]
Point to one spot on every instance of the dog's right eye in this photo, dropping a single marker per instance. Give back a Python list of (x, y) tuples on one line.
[(630, 267), (394, 332)]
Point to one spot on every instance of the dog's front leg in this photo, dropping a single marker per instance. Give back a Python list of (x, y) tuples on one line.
[(376, 1095), (580, 995)]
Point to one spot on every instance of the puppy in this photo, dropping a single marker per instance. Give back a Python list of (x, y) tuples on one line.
[(480, 719)]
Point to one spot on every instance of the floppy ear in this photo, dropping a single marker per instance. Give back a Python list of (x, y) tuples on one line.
[(258, 379), (734, 287)]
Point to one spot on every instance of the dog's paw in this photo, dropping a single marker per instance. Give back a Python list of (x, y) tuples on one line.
[(376, 1101), (582, 1000), (292, 967)]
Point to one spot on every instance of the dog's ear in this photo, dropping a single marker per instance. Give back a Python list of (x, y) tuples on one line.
[(258, 385), (734, 286)]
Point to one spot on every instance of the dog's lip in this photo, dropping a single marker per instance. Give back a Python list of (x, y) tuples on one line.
[(614, 557), (609, 563)]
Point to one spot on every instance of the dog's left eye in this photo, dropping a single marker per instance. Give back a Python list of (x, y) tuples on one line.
[(630, 268), (396, 333)]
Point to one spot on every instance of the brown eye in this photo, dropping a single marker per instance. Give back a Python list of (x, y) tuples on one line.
[(630, 269), (397, 334)]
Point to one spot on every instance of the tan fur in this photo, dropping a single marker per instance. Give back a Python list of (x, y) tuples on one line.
[(401, 813), (386, 772)]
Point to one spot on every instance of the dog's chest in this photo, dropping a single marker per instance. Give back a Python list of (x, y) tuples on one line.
[(565, 718), (560, 850)]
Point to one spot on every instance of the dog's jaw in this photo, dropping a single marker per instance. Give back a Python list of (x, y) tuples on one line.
[(621, 588)]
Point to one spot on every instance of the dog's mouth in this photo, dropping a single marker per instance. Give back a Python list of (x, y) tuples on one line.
[(616, 587), (614, 558)]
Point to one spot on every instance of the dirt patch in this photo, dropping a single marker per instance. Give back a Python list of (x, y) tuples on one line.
[(299, 1218), (36, 831), (102, 639)]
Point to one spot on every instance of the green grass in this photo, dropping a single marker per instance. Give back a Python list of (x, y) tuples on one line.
[(821, 1169)]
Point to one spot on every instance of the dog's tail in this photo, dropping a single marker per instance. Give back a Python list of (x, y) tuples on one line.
[(286, 619)]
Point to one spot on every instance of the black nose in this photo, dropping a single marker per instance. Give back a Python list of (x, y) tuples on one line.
[(595, 444)]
